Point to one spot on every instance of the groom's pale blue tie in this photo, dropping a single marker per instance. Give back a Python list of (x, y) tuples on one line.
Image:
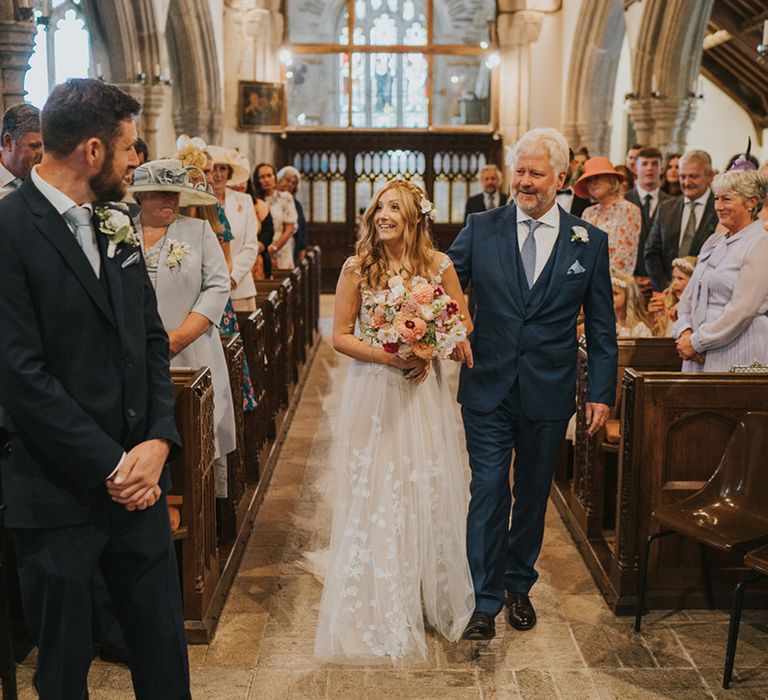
[(528, 251), (79, 218)]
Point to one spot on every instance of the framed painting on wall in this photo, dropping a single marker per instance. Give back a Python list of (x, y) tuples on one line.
[(260, 106)]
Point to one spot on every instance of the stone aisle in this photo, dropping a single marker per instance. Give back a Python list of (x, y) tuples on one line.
[(263, 647)]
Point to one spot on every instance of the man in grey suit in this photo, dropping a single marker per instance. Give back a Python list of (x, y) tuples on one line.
[(647, 195), (682, 224), (22, 146)]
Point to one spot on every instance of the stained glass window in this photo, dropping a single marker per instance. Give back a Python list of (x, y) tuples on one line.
[(399, 85), (62, 50)]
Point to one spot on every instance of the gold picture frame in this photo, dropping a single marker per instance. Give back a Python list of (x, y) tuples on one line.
[(260, 106)]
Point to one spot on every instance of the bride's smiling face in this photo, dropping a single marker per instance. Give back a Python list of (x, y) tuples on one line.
[(388, 219)]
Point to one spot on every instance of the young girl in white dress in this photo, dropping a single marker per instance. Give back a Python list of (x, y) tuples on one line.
[(627, 304), (398, 539)]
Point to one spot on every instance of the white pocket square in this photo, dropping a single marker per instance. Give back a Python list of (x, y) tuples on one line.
[(132, 259), (576, 268)]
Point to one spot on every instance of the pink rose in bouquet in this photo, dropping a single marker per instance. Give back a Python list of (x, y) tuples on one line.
[(423, 293), (378, 317)]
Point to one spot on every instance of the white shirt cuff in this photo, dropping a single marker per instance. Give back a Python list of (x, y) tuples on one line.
[(116, 468)]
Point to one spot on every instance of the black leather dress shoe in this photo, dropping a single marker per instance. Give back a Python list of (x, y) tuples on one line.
[(480, 628), (520, 612)]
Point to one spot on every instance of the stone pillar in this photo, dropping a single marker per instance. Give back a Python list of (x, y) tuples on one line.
[(515, 30), (642, 119), (668, 114), (16, 43), (152, 105)]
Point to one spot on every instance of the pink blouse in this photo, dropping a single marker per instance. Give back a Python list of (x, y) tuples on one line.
[(621, 221)]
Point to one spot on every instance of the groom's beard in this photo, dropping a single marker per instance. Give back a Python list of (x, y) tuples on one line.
[(106, 185)]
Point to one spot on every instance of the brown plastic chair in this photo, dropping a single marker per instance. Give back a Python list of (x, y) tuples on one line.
[(757, 560), (729, 513)]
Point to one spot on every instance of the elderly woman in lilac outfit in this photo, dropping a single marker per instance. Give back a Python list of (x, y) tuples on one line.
[(723, 313)]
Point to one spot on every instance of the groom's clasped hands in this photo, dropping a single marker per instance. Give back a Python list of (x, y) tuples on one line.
[(135, 484)]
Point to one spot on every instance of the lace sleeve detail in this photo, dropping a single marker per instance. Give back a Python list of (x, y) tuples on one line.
[(444, 265), (350, 264)]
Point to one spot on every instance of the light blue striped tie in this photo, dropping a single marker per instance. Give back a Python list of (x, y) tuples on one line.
[(528, 251), (80, 219)]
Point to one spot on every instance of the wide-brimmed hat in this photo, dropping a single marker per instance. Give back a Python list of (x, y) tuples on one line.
[(598, 165), (240, 170), (169, 175)]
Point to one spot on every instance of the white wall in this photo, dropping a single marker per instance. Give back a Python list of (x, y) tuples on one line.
[(721, 127), (619, 113)]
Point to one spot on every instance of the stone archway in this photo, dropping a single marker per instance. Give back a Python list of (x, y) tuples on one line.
[(592, 75)]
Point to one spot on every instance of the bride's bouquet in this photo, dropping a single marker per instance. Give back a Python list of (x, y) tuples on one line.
[(414, 318)]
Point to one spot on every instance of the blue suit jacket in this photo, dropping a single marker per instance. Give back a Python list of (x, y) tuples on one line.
[(535, 343), (83, 366)]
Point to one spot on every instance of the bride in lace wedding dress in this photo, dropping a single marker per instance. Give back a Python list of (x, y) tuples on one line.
[(398, 539)]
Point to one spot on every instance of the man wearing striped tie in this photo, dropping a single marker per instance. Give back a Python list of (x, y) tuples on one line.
[(532, 266), (22, 146)]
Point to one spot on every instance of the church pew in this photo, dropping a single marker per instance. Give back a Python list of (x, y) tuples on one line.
[(299, 316), (590, 502), (192, 478), (259, 424), (232, 509), (270, 302), (314, 257), (306, 280), (283, 356)]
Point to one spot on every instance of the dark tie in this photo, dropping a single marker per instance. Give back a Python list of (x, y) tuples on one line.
[(690, 232), (647, 207), (528, 251), (79, 218), (489, 201)]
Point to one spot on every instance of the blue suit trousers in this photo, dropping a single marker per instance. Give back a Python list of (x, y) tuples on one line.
[(501, 554)]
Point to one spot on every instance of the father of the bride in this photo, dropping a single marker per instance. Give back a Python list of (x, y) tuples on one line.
[(532, 267), (87, 398)]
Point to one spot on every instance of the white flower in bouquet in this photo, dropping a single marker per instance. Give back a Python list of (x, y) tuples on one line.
[(427, 312), (387, 334)]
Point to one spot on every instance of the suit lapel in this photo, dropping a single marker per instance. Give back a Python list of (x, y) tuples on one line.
[(706, 224), (110, 268), (52, 225), (506, 239), (563, 257)]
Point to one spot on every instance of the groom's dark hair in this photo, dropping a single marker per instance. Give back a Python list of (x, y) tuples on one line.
[(84, 108)]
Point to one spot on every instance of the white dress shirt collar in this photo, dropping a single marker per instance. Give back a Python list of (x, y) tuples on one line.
[(60, 201), (6, 176), (550, 218), (641, 192), (700, 200)]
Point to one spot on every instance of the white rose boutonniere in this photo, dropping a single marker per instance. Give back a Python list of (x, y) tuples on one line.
[(114, 222), (177, 251), (579, 235)]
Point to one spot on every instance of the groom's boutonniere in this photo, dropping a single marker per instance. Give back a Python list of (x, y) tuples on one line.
[(177, 251), (113, 221), (579, 235)]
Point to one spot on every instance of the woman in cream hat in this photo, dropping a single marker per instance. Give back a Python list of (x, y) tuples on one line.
[(619, 218), (189, 274), (238, 207)]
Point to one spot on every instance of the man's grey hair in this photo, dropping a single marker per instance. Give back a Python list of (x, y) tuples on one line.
[(490, 167), (19, 120), (743, 183), (697, 156), (549, 141)]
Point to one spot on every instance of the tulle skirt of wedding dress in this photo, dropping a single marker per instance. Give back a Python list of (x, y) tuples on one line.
[(398, 540)]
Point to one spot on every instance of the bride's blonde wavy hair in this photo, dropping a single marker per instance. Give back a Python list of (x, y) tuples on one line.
[(418, 245)]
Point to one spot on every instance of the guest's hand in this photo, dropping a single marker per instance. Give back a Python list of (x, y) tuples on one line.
[(463, 353), (656, 305), (684, 345), (232, 283), (175, 343), (135, 483), (699, 357), (597, 414)]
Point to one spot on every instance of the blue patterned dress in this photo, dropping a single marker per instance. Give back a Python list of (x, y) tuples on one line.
[(229, 325)]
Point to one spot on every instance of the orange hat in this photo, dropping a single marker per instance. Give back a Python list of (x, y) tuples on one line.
[(599, 165)]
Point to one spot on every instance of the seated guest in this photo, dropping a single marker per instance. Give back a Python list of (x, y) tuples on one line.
[(681, 225), (288, 179), (723, 313), (566, 197), (628, 307), (662, 308), (613, 214), (491, 196), (189, 273), (646, 194), (670, 178), (239, 211)]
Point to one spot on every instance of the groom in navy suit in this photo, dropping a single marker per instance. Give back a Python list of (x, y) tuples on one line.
[(87, 398), (532, 267)]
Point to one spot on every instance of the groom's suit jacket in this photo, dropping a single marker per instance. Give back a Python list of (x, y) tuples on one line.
[(530, 335), (84, 370)]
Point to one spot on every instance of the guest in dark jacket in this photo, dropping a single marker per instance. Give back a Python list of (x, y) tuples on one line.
[(491, 196)]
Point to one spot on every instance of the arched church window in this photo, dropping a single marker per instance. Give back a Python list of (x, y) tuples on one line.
[(387, 64), (62, 48)]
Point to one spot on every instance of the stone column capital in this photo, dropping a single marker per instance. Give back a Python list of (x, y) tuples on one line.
[(17, 40), (518, 28)]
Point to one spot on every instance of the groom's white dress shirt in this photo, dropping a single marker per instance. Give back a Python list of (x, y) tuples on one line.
[(545, 235)]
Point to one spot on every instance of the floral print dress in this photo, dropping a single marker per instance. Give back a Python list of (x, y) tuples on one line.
[(622, 221), (229, 325)]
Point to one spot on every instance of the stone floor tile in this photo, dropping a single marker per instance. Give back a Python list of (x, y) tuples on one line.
[(221, 683), (748, 684), (586, 608), (424, 685), (346, 684), (705, 643), (197, 654), (650, 684), (575, 685), (289, 653), (238, 641), (612, 646), (665, 647), (535, 684)]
